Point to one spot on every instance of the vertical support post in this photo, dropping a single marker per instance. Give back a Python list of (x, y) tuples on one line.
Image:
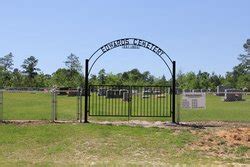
[(129, 102), (173, 92), (80, 107), (86, 91), (78, 104), (53, 106), (178, 107), (55, 95), (1, 106)]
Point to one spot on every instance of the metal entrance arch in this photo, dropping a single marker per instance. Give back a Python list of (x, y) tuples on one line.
[(129, 43)]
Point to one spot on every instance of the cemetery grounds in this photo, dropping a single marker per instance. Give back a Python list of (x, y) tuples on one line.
[(217, 135)]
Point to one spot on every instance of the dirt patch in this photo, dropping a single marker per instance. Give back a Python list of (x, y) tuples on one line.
[(181, 125), (35, 122), (225, 142), (237, 136), (146, 124), (25, 122)]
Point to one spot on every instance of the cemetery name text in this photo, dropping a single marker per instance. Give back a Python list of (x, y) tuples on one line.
[(135, 43)]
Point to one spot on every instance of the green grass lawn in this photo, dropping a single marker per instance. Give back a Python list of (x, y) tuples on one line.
[(77, 144), (103, 145), (37, 106), (218, 110)]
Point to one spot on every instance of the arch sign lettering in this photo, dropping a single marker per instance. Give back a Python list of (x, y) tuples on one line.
[(130, 43)]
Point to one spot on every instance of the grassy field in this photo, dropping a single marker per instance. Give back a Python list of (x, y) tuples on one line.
[(72, 144), (218, 110), (75, 144), (37, 106)]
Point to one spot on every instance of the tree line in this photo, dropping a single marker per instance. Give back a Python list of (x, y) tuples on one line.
[(31, 76), (71, 76)]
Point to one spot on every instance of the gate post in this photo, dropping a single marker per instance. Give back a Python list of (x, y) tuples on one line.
[(86, 90), (54, 105), (80, 106), (1, 106), (173, 92)]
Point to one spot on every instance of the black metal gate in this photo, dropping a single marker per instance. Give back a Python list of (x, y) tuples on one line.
[(129, 101)]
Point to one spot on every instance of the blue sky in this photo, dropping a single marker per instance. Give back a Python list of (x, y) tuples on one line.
[(200, 35)]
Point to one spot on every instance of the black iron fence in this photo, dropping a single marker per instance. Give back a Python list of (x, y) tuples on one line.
[(129, 101)]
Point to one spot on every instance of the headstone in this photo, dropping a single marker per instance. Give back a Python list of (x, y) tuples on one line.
[(233, 95), (125, 96), (72, 92), (204, 90), (194, 100), (157, 92), (83, 92), (146, 93), (178, 91), (113, 94), (161, 95), (220, 91), (134, 92), (63, 90), (196, 90), (101, 92), (187, 91), (122, 91)]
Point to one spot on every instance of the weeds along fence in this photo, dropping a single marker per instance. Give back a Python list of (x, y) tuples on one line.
[(40, 105)]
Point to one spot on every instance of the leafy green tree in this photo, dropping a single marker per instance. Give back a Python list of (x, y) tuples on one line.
[(5, 78), (190, 81), (243, 82), (17, 79), (93, 79), (180, 80), (59, 78), (42, 80), (102, 76), (30, 69), (214, 81), (162, 81), (73, 63), (125, 78), (66, 78), (113, 79), (203, 80), (29, 66), (6, 62), (135, 75)]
